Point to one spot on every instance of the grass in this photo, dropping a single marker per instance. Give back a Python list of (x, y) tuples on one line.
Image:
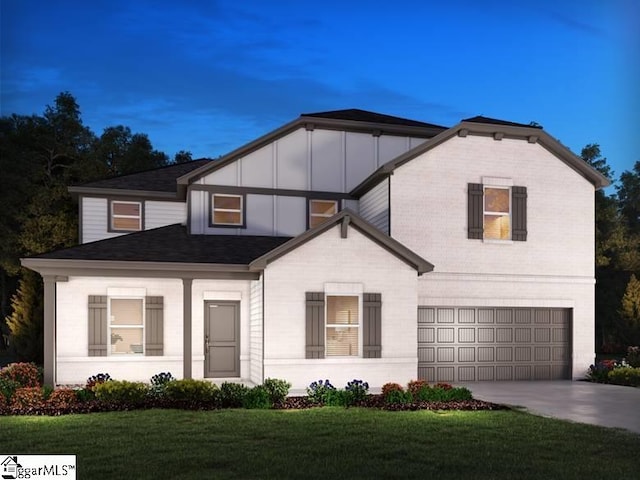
[(326, 443)]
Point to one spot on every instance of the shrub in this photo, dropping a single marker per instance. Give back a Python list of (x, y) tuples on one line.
[(633, 357), (97, 380), (414, 386), (7, 387), (600, 371), (444, 386), (391, 387), (27, 398), (625, 376), (187, 389), (62, 398), (257, 397), (4, 404), (24, 374), (121, 391), (357, 390), (318, 391), (443, 394), (398, 397), (84, 395), (337, 398), (159, 384), (277, 390), (232, 394)]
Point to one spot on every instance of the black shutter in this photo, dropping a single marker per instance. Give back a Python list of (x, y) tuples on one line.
[(315, 324), (475, 196), (372, 325), (519, 214)]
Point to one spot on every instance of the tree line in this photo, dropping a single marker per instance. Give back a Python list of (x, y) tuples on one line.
[(42, 155)]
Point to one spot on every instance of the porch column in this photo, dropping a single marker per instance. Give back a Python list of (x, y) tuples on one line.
[(186, 327), (49, 330)]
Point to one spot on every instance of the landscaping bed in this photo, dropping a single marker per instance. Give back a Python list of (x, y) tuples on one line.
[(618, 372)]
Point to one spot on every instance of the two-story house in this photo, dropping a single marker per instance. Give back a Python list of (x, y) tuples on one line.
[(342, 245)]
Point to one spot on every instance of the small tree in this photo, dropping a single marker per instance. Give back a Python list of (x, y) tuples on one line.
[(630, 310), (26, 321)]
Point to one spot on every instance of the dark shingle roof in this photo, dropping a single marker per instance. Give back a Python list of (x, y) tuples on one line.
[(357, 115), (172, 244), (161, 179), (495, 121)]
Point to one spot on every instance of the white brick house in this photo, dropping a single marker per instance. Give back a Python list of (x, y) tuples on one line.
[(342, 245)]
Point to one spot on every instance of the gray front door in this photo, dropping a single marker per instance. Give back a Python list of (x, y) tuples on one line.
[(222, 339)]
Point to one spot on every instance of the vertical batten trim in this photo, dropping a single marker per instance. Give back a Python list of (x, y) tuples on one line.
[(309, 157), (187, 347), (344, 160)]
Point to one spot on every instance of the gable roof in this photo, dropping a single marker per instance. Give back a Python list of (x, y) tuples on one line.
[(157, 182), (357, 115), (489, 127), (352, 120), (346, 218)]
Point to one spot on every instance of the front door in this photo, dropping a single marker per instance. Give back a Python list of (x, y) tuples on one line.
[(221, 339)]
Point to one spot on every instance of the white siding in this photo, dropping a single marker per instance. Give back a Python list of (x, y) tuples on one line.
[(95, 218), (158, 214), (256, 323), (330, 258), (374, 206)]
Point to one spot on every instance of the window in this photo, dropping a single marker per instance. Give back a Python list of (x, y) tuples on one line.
[(342, 326), (126, 325), (126, 216), (497, 213), (320, 210), (227, 209)]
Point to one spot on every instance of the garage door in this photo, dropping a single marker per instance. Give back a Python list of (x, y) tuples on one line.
[(475, 344)]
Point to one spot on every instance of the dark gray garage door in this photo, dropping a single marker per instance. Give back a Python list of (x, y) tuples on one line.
[(473, 344)]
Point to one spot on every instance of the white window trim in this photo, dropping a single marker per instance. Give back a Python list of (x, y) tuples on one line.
[(328, 325), (109, 326), (232, 210), (115, 215), (486, 212)]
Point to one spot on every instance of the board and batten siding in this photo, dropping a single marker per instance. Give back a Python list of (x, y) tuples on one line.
[(319, 160), (255, 332), (273, 215), (374, 206)]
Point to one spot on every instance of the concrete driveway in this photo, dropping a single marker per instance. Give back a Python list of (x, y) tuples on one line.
[(585, 402)]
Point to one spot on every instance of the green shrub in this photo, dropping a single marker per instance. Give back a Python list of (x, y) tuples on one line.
[(357, 391), (121, 391), (8, 387), (62, 398), (257, 397), (85, 394), (319, 391), (443, 393), (232, 394), (625, 376), (27, 398), (277, 389), (414, 386), (24, 374), (338, 398), (398, 397), (633, 357), (191, 390)]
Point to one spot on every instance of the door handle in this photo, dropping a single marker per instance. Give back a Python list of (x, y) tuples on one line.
[(206, 344)]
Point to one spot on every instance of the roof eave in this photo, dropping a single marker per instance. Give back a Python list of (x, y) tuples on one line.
[(152, 194)]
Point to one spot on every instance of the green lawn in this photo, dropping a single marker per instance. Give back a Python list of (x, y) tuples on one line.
[(327, 443)]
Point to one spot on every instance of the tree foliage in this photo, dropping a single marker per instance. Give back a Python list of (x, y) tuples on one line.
[(630, 310), (40, 157)]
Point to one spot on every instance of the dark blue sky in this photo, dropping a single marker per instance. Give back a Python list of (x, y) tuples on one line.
[(209, 76)]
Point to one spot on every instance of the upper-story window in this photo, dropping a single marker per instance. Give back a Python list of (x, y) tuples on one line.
[(126, 216), (497, 213), (320, 210), (227, 210)]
